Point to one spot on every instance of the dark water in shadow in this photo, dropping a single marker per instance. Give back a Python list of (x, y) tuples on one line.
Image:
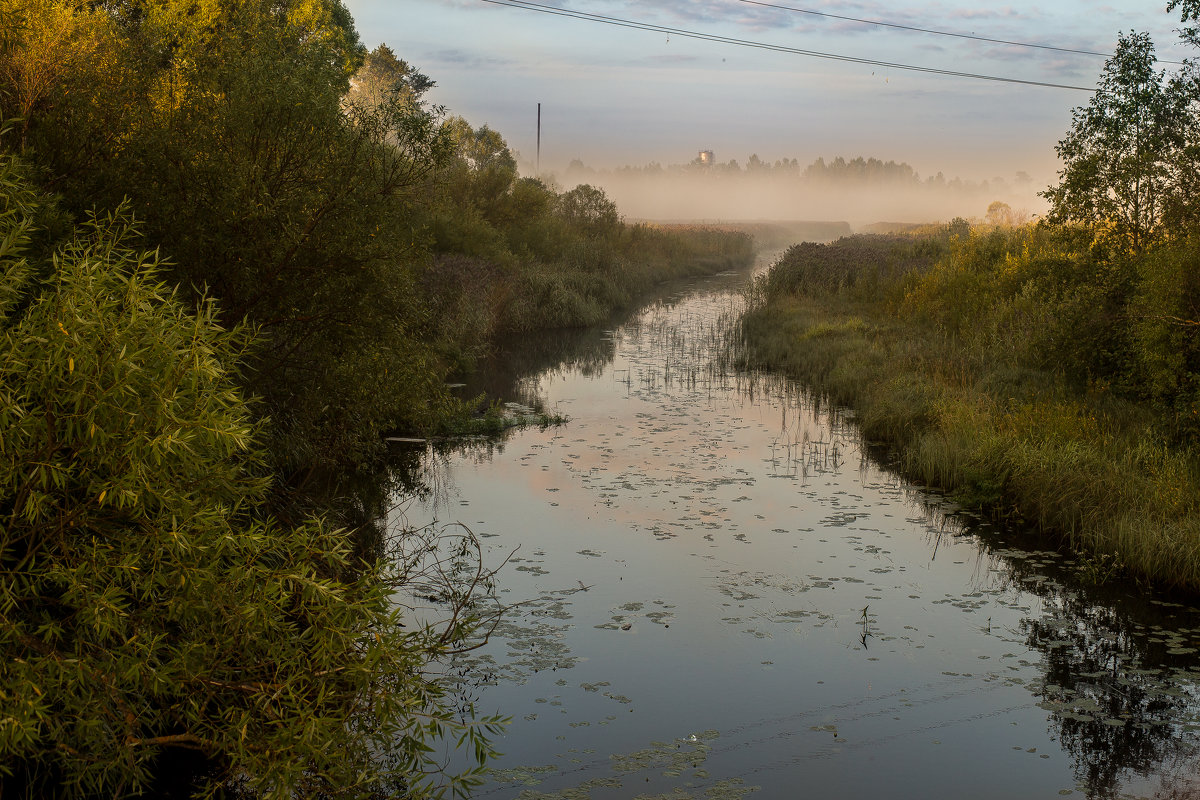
[(718, 592)]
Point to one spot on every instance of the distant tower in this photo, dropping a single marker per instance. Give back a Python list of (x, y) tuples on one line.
[(706, 158)]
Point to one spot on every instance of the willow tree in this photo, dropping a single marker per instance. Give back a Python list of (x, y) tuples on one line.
[(227, 132), (152, 616)]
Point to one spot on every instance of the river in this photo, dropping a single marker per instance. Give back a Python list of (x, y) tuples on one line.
[(719, 591)]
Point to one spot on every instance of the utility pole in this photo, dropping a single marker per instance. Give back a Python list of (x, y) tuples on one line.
[(538, 166)]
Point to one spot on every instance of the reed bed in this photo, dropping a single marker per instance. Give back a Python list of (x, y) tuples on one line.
[(910, 332)]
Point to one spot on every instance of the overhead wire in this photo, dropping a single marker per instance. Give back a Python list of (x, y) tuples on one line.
[(562, 11), (915, 29)]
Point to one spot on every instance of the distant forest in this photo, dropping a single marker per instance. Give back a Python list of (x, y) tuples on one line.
[(861, 191), (839, 169)]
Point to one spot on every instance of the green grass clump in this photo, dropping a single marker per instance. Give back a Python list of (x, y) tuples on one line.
[(478, 417)]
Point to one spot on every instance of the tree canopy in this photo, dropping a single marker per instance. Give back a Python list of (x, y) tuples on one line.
[(1116, 154), (150, 607), (1131, 159)]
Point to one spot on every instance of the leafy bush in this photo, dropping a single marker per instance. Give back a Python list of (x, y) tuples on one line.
[(148, 608), (1165, 316), (865, 266)]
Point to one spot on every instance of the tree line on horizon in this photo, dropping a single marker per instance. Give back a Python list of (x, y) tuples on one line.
[(838, 170)]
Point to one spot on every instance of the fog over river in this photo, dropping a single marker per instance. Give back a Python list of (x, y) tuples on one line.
[(720, 592)]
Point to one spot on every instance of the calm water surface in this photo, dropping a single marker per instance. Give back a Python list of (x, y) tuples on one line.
[(719, 592)]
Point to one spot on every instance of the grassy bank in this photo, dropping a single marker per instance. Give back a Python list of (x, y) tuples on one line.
[(600, 275), (1019, 371), (773, 235), (516, 255)]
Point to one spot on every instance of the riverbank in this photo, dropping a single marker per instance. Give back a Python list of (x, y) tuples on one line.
[(725, 527), (1002, 365), (604, 274)]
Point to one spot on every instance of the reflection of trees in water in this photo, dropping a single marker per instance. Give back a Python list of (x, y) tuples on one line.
[(1179, 776), (1117, 677), (357, 500), (1120, 673), (371, 500), (1123, 705), (519, 363), (1113, 717), (513, 370)]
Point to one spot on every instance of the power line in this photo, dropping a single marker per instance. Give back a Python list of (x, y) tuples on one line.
[(528, 5), (972, 36)]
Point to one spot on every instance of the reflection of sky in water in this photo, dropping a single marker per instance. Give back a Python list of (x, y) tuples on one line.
[(749, 572)]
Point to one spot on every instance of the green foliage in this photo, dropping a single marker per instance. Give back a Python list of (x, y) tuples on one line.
[(1117, 174), (515, 255), (587, 208), (860, 265), (147, 608), (1165, 316), (59, 60), (593, 275), (1028, 297), (482, 171), (1023, 369), (154, 617), (531, 228), (1189, 11), (230, 137), (303, 184), (384, 79)]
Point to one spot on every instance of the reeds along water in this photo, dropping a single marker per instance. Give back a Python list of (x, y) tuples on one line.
[(732, 522), (995, 360)]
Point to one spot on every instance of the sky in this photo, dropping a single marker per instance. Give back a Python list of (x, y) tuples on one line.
[(613, 96)]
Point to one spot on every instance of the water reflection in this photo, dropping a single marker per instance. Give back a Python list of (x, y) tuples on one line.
[(515, 369), (711, 553), (1119, 676)]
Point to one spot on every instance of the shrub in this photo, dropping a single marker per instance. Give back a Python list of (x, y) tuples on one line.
[(1165, 314), (147, 607)]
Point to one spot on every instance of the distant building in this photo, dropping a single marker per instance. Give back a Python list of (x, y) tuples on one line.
[(706, 158)]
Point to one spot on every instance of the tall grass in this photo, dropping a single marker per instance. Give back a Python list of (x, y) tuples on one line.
[(1004, 365), (584, 280)]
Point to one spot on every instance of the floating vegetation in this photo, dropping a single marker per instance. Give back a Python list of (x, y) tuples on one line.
[(680, 760), (828, 615), (524, 776), (581, 792), (685, 753)]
